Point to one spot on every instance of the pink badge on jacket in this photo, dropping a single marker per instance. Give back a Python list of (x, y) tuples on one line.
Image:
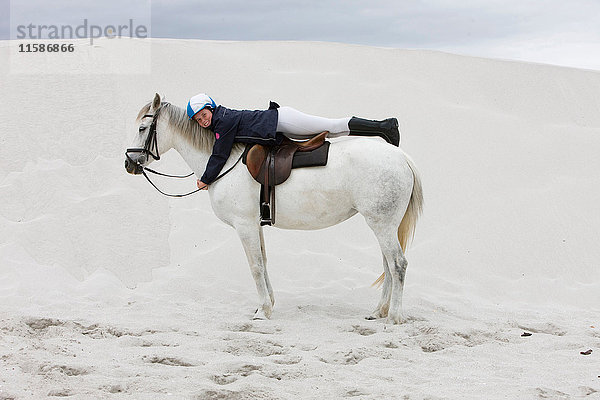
[(217, 135)]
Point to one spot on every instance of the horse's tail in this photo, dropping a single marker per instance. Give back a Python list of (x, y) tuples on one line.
[(406, 230)]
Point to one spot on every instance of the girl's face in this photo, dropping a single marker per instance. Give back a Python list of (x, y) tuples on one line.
[(203, 117)]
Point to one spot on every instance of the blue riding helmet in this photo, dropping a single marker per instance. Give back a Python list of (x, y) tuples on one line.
[(198, 103)]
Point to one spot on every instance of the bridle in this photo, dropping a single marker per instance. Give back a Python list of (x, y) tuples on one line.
[(151, 142), (150, 149)]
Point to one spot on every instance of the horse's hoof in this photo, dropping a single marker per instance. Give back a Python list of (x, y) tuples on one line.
[(394, 320), (259, 315), (377, 314)]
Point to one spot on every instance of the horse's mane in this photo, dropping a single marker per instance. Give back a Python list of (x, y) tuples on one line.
[(201, 138)]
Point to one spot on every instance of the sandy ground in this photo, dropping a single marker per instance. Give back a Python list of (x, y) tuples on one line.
[(110, 291)]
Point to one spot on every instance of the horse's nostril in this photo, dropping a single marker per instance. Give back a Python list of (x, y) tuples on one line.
[(127, 164)]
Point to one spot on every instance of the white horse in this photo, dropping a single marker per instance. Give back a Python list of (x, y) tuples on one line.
[(363, 175)]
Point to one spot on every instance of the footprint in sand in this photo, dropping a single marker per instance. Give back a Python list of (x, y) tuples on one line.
[(362, 330), (169, 361), (236, 373), (256, 347)]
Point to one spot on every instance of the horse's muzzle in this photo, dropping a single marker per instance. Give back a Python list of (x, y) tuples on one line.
[(134, 166)]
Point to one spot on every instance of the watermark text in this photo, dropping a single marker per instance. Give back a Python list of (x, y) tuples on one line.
[(83, 31)]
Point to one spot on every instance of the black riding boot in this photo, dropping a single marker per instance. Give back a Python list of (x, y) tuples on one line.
[(387, 129)]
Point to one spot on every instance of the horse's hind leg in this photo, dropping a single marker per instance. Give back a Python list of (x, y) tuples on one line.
[(250, 237), (396, 263), (384, 303)]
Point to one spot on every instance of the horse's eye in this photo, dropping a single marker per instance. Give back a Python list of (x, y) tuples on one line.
[(142, 128)]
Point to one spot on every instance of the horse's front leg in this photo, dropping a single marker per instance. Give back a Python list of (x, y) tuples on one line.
[(250, 237), (264, 256)]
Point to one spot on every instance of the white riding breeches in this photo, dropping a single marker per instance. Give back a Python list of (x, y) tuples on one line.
[(297, 125)]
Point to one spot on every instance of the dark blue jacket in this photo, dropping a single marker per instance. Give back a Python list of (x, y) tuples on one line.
[(244, 126)]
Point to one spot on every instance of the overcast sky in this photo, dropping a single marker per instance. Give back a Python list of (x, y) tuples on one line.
[(548, 31)]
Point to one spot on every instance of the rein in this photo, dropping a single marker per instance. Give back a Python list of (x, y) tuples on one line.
[(151, 145), (181, 176)]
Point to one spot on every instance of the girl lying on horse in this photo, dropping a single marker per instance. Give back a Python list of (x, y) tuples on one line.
[(268, 126)]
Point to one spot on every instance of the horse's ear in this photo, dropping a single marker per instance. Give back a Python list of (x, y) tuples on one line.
[(156, 101)]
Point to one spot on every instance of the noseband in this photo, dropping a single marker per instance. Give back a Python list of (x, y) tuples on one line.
[(150, 149)]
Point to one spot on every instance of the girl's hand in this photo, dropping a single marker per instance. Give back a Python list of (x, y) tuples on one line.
[(201, 185)]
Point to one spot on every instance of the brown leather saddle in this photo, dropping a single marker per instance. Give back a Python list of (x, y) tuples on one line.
[(272, 165)]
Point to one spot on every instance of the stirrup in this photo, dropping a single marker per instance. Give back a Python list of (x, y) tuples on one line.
[(265, 214)]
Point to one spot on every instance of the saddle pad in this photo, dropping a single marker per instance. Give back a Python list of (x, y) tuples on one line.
[(314, 158)]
